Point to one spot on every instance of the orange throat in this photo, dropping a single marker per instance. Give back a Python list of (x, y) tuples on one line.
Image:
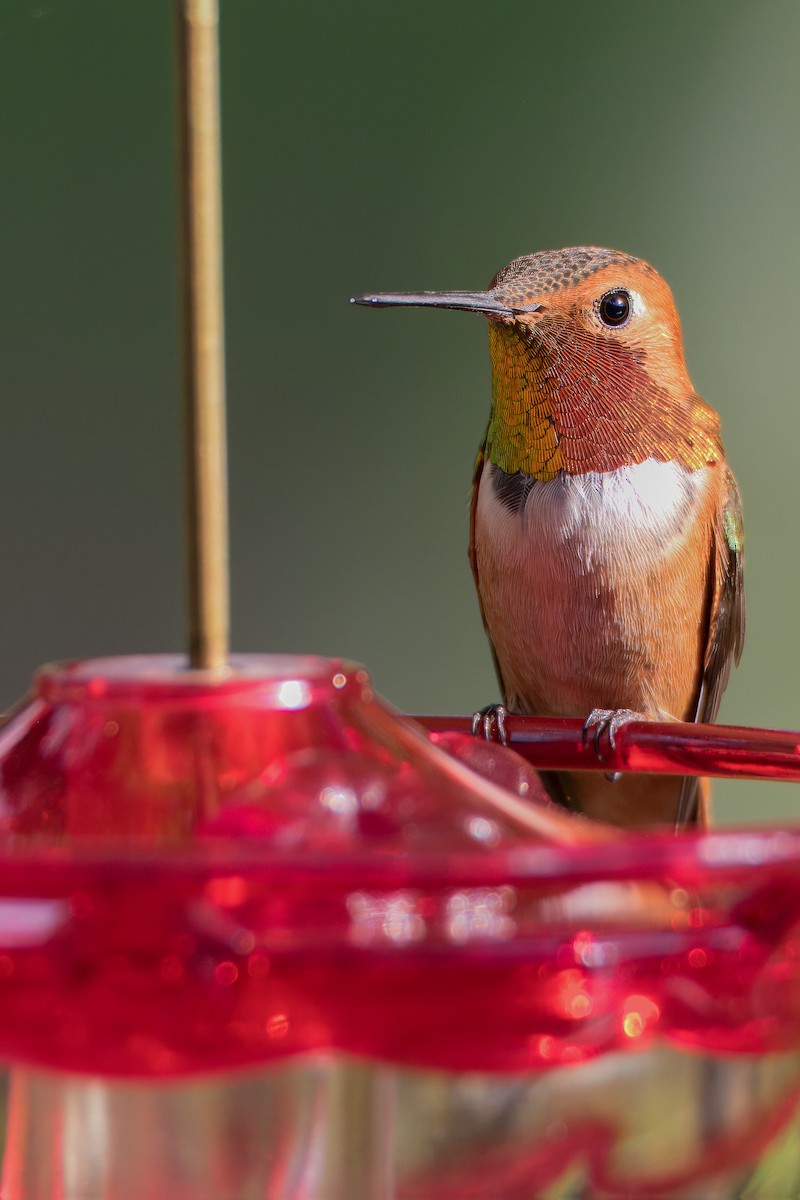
[(580, 404)]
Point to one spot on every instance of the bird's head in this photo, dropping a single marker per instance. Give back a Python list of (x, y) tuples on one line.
[(588, 371)]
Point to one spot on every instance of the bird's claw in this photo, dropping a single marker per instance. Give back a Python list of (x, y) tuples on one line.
[(490, 723), (606, 722)]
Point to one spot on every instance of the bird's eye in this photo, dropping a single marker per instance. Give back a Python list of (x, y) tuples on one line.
[(615, 308)]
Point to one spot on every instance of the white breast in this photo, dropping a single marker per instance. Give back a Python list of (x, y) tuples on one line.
[(585, 585)]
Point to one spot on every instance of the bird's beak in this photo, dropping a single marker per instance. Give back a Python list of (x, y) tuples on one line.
[(479, 302)]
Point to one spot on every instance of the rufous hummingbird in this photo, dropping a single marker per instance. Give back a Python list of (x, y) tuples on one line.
[(606, 526)]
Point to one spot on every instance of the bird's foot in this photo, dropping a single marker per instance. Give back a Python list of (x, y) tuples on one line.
[(490, 723), (605, 723)]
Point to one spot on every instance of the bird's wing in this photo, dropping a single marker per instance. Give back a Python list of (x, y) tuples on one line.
[(725, 637), (473, 508), (473, 559), (726, 620)]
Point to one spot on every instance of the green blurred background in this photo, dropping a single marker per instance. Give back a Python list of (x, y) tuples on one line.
[(373, 145)]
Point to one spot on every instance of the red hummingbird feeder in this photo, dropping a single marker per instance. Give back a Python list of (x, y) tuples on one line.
[(261, 935)]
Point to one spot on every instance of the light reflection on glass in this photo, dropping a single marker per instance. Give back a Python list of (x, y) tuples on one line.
[(340, 800), (395, 918), (639, 1015), (294, 694), (481, 913), (29, 922), (483, 830)]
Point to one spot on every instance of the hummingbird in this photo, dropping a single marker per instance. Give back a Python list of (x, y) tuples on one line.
[(606, 535)]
